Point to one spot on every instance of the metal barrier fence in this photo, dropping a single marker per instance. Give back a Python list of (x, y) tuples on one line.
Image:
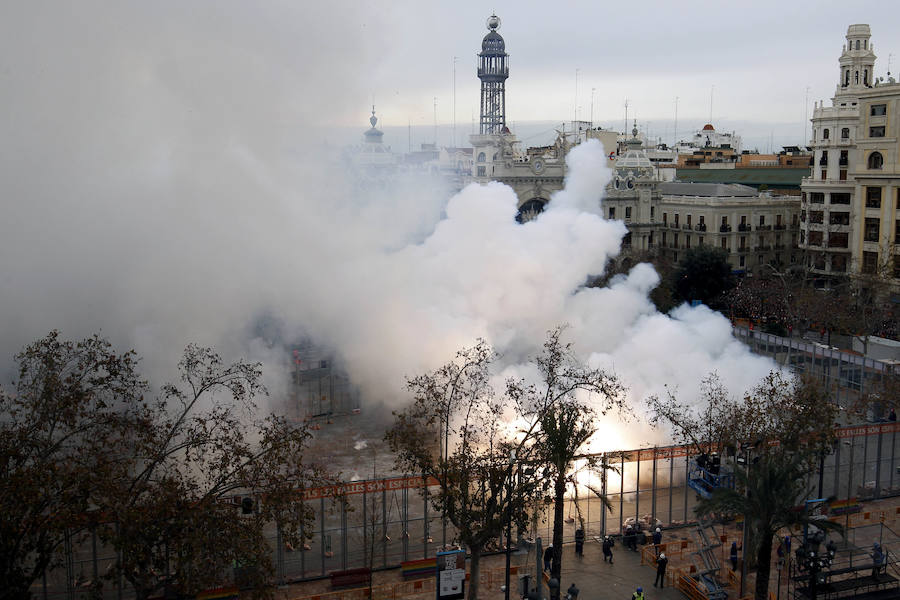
[(381, 523)]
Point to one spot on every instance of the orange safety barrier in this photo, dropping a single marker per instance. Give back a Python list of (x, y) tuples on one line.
[(689, 586)]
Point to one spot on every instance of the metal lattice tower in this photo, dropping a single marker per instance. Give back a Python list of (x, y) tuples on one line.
[(493, 69)]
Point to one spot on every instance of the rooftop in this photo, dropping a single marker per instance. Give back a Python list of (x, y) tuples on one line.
[(680, 188)]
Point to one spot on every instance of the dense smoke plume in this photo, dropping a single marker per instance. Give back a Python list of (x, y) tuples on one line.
[(166, 181)]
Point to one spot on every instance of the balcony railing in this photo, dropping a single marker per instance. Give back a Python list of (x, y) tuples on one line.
[(724, 228), (764, 228), (744, 227), (687, 226), (700, 227), (779, 227)]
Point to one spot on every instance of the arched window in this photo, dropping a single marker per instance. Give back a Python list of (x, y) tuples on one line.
[(856, 77), (876, 161), (865, 77), (865, 43), (857, 44), (847, 77), (495, 156), (481, 157), (845, 133), (825, 134)]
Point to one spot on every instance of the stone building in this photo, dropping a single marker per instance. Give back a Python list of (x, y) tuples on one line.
[(757, 229), (849, 215)]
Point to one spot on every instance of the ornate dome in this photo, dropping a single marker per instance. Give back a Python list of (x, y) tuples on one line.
[(708, 127), (493, 44), (373, 135)]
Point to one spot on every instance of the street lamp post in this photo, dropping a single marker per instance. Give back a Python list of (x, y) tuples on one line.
[(810, 559), (512, 460), (445, 452)]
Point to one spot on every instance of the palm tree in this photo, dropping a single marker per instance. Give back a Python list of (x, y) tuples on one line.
[(770, 497), (565, 428)]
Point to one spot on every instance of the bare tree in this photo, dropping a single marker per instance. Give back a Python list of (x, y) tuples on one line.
[(198, 445), (481, 488), (781, 429), (477, 491), (58, 432)]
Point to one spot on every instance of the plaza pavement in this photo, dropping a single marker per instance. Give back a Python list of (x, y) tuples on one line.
[(877, 521)]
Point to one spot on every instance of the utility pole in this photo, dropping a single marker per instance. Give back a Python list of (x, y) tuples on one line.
[(675, 136), (576, 95), (454, 102), (592, 107)]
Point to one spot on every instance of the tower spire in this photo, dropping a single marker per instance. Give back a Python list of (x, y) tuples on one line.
[(493, 70)]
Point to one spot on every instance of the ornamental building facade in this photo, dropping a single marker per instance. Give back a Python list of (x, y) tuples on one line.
[(849, 203)]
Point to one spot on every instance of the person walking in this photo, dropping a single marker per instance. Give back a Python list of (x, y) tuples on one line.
[(607, 549), (661, 564), (548, 557), (733, 556), (579, 541), (638, 594), (572, 592)]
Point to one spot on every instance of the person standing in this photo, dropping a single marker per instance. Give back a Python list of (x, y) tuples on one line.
[(877, 559), (661, 564), (733, 556), (607, 549), (638, 594), (572, 592), (657, 539), (579, 541), (548, 557)]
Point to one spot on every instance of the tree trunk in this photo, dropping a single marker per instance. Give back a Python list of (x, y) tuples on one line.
[(475, 571), (763, 566), (559, 489)]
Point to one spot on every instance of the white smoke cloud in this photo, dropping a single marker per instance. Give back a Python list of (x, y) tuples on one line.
[(165, 180)]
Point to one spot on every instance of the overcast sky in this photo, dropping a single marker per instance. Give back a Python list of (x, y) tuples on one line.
[(327, 61), (756, 58), (163, 172)]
